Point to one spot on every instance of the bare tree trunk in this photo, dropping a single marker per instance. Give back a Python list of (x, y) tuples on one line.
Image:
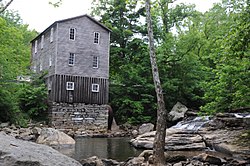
[(2, 9), (159, 141)]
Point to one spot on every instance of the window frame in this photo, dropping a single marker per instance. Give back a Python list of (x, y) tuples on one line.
[(70, 85), (51, 35), (96, 37), (72, 30), (95, 88), (71, 59), (41, 66), (95, 63), (34, 68), (50, 60), (36, 43), (42, 42)]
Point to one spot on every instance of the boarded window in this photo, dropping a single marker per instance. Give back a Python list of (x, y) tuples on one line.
[(70, 86), (95, 62), (72, 33), (71, 59), (96, 37), (95, 87)]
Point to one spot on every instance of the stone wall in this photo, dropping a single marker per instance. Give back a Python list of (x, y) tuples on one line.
[(78, 115)]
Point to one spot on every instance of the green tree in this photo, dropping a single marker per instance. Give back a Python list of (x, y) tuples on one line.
[(14, 61), (33, 98), (229, 89)]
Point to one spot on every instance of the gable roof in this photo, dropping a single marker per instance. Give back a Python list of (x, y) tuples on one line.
[(72, 18)]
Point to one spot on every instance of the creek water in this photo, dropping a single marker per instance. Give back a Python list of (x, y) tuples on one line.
[(110, 148)]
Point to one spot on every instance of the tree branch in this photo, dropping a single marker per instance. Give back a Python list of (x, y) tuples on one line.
[(6, 6)]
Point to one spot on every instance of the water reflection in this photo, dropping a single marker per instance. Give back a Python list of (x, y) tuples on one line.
[(111, 148)]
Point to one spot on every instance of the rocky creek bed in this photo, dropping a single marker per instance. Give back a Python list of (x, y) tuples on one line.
[(224, 133)]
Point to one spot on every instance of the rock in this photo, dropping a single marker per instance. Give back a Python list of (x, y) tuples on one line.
[(176, 139), (135, 133), (15, 152), (178, 164), (146, 127), (7, 124), (53, 137), (177, 112), (92, 161), (146, 154), (110, 162), (135, 161), (36, 131), (175, 158), (228, 142), (26, 134), (126, 127), (211, 159)]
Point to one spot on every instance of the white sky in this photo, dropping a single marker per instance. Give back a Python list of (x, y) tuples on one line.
[(38, 14)]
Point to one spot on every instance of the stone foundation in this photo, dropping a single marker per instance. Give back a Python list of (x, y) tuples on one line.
[(78, 115)]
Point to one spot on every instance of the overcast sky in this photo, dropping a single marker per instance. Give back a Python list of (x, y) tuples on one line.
[(39, 14)]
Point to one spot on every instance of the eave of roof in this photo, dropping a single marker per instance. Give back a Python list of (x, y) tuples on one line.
[(68, 19)]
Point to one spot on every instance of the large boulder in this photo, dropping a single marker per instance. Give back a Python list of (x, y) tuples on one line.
[(176, 139), (177, 113), (15, 152), (146, 127), (53, 137)]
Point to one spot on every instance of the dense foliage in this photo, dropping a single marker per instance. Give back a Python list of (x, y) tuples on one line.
[(203, 58), (19, 101)]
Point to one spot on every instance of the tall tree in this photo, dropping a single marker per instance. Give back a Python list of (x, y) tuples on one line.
[(159, 141)]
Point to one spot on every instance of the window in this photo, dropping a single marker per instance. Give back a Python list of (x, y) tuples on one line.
[(51, 34), (50, 60), (70, 86), (41, 66), (71, 59), (36, 46), (96, 37), (42, 41), (34, 69), (72, 33), (95, 62), (95, 87)]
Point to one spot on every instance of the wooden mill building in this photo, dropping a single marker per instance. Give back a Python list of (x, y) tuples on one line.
[(75, 53)]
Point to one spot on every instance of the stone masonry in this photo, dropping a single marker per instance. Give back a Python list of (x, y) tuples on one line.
[(78, 115)]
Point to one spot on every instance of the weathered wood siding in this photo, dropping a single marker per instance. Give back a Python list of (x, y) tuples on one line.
[(82, 92), (82, 72), (43, 54), (84, 48)]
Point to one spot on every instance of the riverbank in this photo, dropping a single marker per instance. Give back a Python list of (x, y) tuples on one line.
[(225, 133)]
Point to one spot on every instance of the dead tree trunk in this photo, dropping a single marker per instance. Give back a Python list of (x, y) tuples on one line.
[(159, 141)]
